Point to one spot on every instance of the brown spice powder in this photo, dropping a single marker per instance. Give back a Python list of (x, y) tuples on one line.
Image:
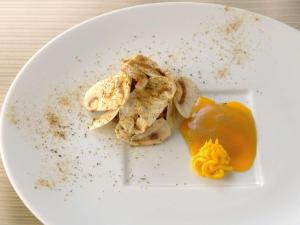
[(52, 119), (222, 72), (43, 183), (12, 117), (64, 101), (233, 25), (56, 129)]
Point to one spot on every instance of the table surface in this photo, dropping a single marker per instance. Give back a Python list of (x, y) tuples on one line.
[(25, 26)]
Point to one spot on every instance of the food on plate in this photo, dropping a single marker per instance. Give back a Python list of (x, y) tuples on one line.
[(145, 101), (186, 95), (143, 98), (221, 137)]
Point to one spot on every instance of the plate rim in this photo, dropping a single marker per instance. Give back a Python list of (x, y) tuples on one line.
[(4, 106)]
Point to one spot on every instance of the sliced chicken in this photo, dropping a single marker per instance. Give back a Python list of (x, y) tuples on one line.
[(144, 106), (103, 119), (108, 94), (186, 96)]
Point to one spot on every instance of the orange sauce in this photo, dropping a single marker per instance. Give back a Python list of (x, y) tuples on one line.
[(231, 123)]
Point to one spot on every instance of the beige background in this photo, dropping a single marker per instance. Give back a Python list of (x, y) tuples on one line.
[(25, 26)]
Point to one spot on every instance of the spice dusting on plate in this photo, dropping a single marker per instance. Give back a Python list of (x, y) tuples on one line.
[(43, 183), (55, 126), (230, 41), (222, 72), (52, 119), (12, 116), (233, 25), (64, 101)]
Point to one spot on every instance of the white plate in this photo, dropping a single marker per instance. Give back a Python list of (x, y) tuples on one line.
[(94, 179)]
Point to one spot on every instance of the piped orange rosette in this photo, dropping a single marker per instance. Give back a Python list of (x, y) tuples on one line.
[(211, 161)]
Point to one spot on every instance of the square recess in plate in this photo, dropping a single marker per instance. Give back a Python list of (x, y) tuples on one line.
[(168, 164)]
